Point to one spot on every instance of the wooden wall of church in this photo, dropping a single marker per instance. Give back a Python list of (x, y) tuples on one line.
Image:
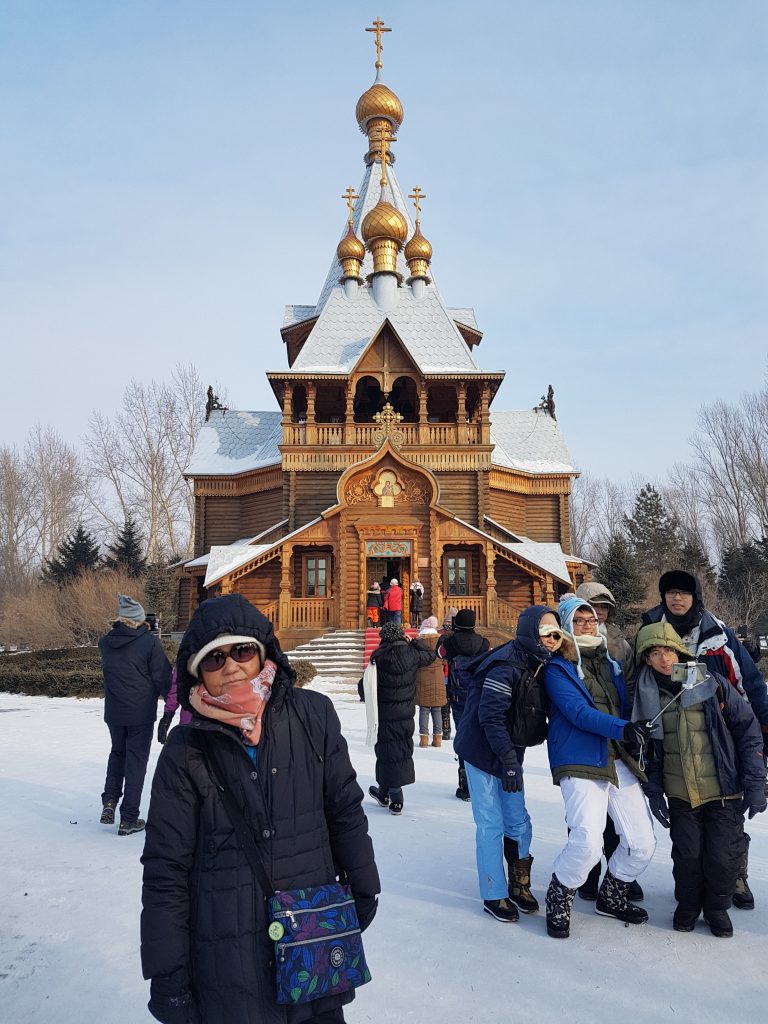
[(542, 518), (260, 511), (314, 493), (222, 521), (262, 586), (513, 585), (508, 509), (184, 602), (458, 493)]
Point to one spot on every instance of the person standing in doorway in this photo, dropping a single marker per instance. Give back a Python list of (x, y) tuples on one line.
[(393, 603), (417, 603), (136, 673)]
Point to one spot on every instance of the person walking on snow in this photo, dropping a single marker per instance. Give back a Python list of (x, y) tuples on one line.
[(494, 765), (430, 690), (590, 743), (136, 674)]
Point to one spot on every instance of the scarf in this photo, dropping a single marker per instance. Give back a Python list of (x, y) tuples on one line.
[(683, 624), (241, 704), (589, 642)]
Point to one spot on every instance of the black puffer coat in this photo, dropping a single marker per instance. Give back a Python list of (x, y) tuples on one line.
[(136, 674), (204, 923), (396, 667)]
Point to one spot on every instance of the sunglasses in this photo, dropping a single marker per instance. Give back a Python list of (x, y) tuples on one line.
[(555, 634), (214, 661)]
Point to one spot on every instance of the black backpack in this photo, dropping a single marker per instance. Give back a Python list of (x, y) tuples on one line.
[(458, 678), (527, 715)]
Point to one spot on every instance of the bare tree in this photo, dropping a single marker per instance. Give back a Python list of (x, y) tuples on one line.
[(17, 522), (59, 487)]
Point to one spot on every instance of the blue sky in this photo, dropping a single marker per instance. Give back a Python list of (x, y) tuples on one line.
[(596, 176)]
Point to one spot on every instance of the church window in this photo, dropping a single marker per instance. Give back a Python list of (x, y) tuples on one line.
[(316, 575), (457, 576)]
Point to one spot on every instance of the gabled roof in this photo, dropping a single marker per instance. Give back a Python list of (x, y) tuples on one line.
[(225, 558), (529, 440), (233, 442), (548, 557)]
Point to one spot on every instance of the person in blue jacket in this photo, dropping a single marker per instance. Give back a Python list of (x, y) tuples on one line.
[(494, 764), (711, 641), (590, 745)]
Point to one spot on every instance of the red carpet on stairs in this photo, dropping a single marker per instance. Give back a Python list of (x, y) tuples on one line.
[(372, 642)]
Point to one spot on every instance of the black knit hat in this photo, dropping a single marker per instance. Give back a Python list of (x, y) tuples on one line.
[(465, 619), (678, 579)]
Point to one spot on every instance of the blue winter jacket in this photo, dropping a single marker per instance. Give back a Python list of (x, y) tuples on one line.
[(482, 735), (578, 733)]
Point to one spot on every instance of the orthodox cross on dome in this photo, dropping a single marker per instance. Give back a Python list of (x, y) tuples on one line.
[(350, 197), (383, 136), (378, 28), (388, 421), (417, 195)]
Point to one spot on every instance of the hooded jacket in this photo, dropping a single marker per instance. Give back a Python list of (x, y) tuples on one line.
[(204, 924), (713, 642), (482, 735), (136, 673)]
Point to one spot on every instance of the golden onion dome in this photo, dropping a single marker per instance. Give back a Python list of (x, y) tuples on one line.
[(379, 101), (350, 247), (384, 221), (418, 248)]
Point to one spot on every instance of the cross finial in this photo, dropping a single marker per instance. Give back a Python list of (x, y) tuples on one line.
[(387, 417), (378, 28), (417, 195), (383, 135), (350, 197)]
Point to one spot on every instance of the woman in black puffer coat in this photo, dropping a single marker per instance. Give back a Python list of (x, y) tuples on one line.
[(204, 941), (397, 660)]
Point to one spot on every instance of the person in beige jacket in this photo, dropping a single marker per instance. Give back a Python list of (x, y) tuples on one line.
[(431, 695)]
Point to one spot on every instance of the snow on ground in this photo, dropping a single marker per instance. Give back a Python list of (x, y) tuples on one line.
[(71, 892)]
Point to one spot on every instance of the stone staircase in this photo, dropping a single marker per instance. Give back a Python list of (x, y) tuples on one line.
[(337, 655)]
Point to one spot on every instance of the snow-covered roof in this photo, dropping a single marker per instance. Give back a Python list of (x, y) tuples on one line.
[(465, 315), (548, 557), (225, 558), (297, 314), (234, 442), (529, 440)]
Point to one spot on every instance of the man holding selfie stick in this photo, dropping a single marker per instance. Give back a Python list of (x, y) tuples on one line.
[(711, 641)]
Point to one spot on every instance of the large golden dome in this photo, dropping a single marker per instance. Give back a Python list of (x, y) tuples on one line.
[(418, 247), (350, 247), (379, 101), (384, 221)]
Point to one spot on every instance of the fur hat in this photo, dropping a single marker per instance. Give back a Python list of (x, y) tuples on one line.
[(465, 619), (129, 609), (678, 579), (390, 633), (429, 626)]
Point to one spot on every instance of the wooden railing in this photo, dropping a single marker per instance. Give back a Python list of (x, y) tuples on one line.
[(506, 614), (309, 612), (271, 612), (330, 433), (362, 435)]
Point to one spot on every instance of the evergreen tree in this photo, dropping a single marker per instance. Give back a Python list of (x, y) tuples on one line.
[(160, 586), (75, 555), (618, 570), (743, 581), (694, 559), (125, 552), (654, 533)]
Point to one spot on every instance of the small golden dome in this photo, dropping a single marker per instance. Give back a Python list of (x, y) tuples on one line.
[(379, 101), (350, 247), (384, 221), (418, 248)]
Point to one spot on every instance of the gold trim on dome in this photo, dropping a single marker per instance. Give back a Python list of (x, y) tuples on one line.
[(384, 221), (350, 247)]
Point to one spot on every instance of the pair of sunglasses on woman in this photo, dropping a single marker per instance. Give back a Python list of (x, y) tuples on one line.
[(215, 660)]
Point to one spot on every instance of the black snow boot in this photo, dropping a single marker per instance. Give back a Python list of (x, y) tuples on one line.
[(742, 897), (502, 910), (446, 710), (463, 789), (559, 902), (519, 871), (719, 923), (378, 796), (588, 891), (685, 918), (128, 828), (613, 901), (107, 813)]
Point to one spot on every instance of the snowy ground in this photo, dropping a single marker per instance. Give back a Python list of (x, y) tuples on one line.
[(71, 889)]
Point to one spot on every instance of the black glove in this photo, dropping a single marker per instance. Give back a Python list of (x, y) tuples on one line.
[(366, 907), (637, 732), (659, 808), (755, 802), (512, 777), (163, 726), (169, 1004)]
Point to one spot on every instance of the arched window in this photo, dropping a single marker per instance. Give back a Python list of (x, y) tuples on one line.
[(369, 399), (404, 399), (442, 403), (330, 403)]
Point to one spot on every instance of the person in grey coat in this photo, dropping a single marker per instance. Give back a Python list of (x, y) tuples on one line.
[(136, 673)]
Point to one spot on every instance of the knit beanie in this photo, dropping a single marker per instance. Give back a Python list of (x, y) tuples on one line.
[(390, 633), (429, 626), (127, 608), (464, 619)]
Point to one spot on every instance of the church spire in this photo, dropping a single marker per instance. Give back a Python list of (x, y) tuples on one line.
[(418, 251), (378, 108)]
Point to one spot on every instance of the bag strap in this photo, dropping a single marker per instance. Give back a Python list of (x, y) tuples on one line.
[(236, 817)]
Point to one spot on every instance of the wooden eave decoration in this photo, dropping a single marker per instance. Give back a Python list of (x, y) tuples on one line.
[(469, 334), (295, 336)]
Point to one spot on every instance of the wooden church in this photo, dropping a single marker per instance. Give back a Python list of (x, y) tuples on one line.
[(386, 456)]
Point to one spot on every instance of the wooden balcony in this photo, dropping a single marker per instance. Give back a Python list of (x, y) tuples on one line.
[(312, 612), (362, 435)]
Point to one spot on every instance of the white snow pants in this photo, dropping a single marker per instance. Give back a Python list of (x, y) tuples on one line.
[(587, 801)]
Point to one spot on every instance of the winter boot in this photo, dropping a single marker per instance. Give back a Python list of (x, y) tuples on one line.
[(382, 801), (635, 894), (588, 891), (719, 923), (742, 897), (446, 722), (559, 902), (437, 740), (502, 910), (395, 807), (519, 870), (108, 813), (684, 919), (463, 789), (128, 828), (613, 901), (423, 740)]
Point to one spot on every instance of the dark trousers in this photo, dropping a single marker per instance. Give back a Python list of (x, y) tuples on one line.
[(610, 846), (329, 1017), (707, 845), (127, 765), (457, 710)]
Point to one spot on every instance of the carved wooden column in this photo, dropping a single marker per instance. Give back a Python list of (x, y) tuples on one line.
[(284, 608), (435, 566), (349, 424), (423, 426), (491, 608), (291, 501), (461, 414), (565, 524), (485, 421), (311, 425)]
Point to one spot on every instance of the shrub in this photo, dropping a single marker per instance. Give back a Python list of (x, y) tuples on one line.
[(305, 672)]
